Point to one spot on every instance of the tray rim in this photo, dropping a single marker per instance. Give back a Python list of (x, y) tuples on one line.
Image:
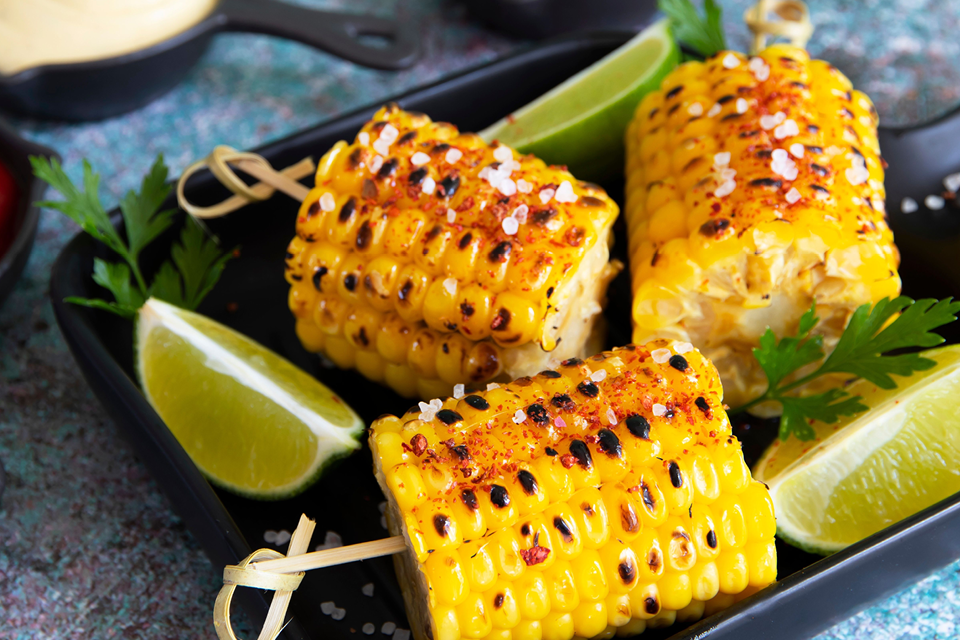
[(81, 339)]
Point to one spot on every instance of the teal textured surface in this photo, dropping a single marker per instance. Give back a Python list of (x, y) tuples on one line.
[(88, 545)]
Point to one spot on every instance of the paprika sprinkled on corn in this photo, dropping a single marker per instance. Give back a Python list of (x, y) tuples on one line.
[(564, 525), (742, 217)]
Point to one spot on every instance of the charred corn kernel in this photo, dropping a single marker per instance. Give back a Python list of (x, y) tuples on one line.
[(564, 505), (747, 200), (590, 619), (416, 228)]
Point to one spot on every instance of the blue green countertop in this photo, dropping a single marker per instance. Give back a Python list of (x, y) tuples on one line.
[(89, 547)]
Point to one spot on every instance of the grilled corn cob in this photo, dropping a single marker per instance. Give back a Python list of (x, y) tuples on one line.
[(593, 500), (426, 258), (754, 188)]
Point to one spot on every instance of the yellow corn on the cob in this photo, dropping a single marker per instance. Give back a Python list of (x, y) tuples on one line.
[(593, 500), (425, 258), (754, 188)]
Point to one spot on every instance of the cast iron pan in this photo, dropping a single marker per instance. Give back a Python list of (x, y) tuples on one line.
[(812, 592), (103, 88), (14, 152)]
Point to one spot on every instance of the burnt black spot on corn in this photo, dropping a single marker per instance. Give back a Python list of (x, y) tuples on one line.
[(446, 416)]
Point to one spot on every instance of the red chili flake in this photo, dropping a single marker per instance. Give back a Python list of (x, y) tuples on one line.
[(419, 444), (232, 307), (568, 460), (534, 555)]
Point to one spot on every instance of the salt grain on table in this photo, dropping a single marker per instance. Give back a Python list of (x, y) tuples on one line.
[(401, 634), (368, 589), (368, 628), (331, 540), (338, 614), (388, 628), (327, 607)]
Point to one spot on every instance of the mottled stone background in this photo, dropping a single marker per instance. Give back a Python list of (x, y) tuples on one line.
[(89, 548)]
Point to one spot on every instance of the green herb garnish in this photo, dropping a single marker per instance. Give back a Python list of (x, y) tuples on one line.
[(861, 351), (196, 264), (704, 34)]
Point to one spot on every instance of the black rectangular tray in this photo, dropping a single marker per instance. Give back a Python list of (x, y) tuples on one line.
[(812, 594)]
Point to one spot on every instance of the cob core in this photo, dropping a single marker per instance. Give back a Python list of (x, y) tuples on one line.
[(427, 258), (589, 501), (754, 188)]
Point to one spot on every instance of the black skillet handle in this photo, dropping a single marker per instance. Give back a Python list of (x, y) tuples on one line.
[(335, 33)]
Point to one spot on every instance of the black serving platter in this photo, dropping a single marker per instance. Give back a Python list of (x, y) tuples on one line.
[(15, 155), (103, 88), (812, 594)]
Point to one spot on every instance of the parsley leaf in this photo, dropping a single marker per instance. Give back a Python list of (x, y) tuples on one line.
[(703, 34), (863, 351), (196, 261)]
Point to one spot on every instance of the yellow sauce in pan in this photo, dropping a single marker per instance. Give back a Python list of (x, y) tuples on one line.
[(39, 32)]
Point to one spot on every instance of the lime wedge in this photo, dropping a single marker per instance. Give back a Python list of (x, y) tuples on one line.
[(251, 421), (868, 471), (581, 123)]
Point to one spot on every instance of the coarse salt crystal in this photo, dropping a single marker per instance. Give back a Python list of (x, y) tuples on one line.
[(611, 416), (401, 634), (520, 213), (833, 150), (565, 192), (328, 202), (659, 410), (866, 121), (787, 129), (331, 540), (492, 385), (388, 628), (453, 155), (597, 376), (742, 105), (952, 182), (381, 147), (389, 133), (721, 159), (731, 61), (858, 173), (908, 205), (428, 185), (376, 163), (793, 195), (338, 614), (768, 122), (458, 391), (725, 189), (437, 404), (695, 109), (503, 154), (857, 201), (383, 522), (559, 422), (519, 416), (451, 216), (510, 226), (368, 628), (661, 355), (507, 187), (327, 607), (714, 110), (762, 71), (364, 138), (450, 284), (419, 159), (554, 224), (270, 536), (934, 203), (427, 411), (682, 347), (546, 195), (727, 174), (796, 149), (367, 590), (382, 506), (523, 186)]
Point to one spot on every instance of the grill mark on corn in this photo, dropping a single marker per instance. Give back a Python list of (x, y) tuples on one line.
[(353, 160), (766, 182), (715, 227), (609, 443), (527, 482), (469, 499), (501, 252), (477, 402), (648, 499), (579, 450), (679, 363), (498, 601), (627, 571), (673, 92), (405, 290), (350, 281), (651, 605), (466, 309), (465, 240), (526, 529), (725, 99), (317, 276), (549, 373), (442, 524), (446, 416), (313, 209), (364, 235), (654, 560), (561, 526), (499, 496), (676, 478), (638, 426), (409, 136), (347, 210), (550, 451), (588, 389), (538, 414), (819, 169)]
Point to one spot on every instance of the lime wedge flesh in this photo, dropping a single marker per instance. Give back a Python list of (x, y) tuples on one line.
[(581, 123), (871, 470), (251, 421)]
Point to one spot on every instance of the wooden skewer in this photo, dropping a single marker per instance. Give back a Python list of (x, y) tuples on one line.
[(331, 557), (275, 179)]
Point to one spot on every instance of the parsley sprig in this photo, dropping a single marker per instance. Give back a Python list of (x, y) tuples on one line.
[(196, 261), (704, 34), (862, 351)]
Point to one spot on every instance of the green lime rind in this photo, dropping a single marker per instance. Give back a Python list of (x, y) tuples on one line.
[(581, 123), (252, 422)]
